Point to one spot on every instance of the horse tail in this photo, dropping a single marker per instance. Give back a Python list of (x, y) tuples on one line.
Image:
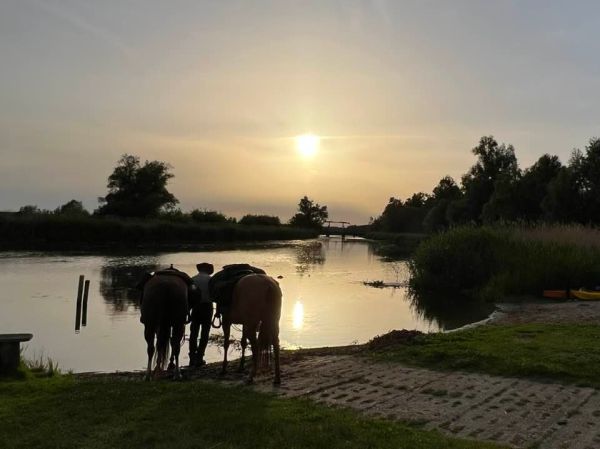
[(269, 326), (162, 344)]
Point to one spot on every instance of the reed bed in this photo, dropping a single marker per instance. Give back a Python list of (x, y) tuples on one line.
[(55, 231), (492, 263), (569, 234)]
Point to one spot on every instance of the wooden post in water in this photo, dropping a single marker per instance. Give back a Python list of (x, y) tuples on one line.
[(86, 290), (78, 306)]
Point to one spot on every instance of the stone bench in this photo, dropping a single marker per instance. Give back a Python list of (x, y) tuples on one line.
[(10, 351)]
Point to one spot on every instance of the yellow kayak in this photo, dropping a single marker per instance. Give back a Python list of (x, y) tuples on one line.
[(587, 295)]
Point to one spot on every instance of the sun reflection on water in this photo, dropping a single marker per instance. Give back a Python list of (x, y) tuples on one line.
[(298, 316)]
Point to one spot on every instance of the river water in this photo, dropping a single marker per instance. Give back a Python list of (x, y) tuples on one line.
[(325, 302)]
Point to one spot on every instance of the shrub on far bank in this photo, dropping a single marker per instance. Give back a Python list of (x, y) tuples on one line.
[(41, 231), (209, 216), (492, 263), (260, 220)]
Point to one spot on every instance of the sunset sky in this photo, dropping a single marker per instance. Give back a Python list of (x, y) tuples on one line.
[(397, 91)]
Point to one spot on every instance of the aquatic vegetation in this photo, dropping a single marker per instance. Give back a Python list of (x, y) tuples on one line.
[(494, 262)]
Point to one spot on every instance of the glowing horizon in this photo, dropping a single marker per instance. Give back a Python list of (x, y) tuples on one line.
[(396, 92)]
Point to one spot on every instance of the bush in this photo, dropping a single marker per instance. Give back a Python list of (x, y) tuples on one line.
[(260, 220), (209, 216), (491, 263)]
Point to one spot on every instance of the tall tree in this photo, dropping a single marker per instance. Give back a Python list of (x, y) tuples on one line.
[(493, 162), (532, 188), (443, 195), (403, 217), (590, 179), (418, 199), (136, 190), (72, 208), (310, 214), (574, 195)]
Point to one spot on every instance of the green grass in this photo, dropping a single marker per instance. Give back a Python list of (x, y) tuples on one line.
[(67, 413), (563, 353)]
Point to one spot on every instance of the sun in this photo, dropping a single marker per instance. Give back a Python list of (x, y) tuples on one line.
[(307, 145)]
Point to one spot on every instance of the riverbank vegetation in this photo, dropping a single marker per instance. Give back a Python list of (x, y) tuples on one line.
[(138, 210), (492, 263), (51, 231), (496, 190), (559, 352), (69, 413), (391, 245)]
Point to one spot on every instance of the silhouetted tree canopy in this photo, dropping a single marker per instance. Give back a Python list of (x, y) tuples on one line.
[(72, 208), (29, 209), (262, 220), (418, 199), (495, 162), (446, 190), (136, 190), (210, 216), (495, 189), (310, 214)]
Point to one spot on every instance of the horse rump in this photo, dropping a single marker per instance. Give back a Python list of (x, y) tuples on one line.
[(268, 333)]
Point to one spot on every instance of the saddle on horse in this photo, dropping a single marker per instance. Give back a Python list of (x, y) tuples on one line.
[(171, 271), (221, 285)]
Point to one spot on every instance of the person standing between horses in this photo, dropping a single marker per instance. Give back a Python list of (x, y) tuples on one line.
[(202, 313)]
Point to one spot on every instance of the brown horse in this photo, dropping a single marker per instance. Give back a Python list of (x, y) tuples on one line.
[(256, 305), (164, 311)]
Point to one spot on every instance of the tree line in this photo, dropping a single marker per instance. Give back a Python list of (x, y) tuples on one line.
[(139, 190), (495, 189)]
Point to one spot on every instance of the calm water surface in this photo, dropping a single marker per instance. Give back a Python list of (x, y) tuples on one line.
[(324, 300)]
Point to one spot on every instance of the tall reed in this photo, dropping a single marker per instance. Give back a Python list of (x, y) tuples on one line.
[(55, 231), (492, 263)]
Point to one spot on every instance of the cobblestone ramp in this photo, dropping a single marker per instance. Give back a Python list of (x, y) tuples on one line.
[(509, 411)]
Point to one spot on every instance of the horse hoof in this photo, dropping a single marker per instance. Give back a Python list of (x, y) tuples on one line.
[(147, 377), (249, 381), (277, 381), (171, 366)]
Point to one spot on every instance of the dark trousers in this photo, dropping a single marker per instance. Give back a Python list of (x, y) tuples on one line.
[(202, 314)]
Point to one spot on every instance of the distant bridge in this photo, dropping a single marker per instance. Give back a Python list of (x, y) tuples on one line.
[(337, 230)]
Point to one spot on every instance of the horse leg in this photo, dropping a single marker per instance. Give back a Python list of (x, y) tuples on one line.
[(226, 332), (176, 337), (255, 355), (244, 343), (149, 336), (277, 379), (171, 365)]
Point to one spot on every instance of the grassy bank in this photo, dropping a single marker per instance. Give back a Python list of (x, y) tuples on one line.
[(564, 353), (47, 231), (67, 413), (492, 263)]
